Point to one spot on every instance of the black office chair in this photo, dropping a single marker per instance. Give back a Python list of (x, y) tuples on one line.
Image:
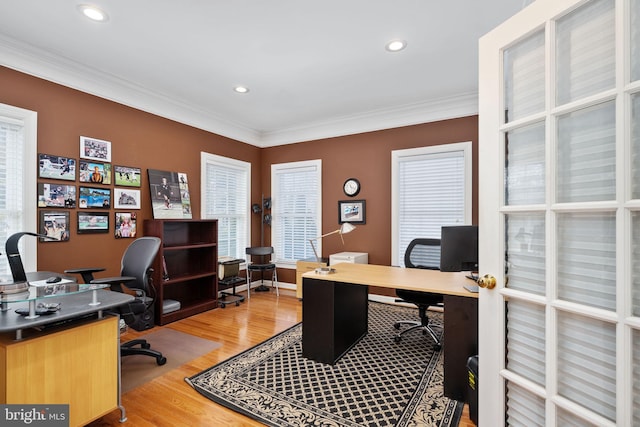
[(260, 260), (136, 276), (421, 253)]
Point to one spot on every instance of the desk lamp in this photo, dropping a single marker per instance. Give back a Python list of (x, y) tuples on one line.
[(20, 283), (344, 229)]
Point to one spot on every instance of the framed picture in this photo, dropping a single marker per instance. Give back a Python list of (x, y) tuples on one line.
[(95, 173), (126, 176), (352, 211), (125, 225), (93, 222), (56, 167), (169, 194), (95, 149), (126, 198), (52, 195), (94, 198), (54, 224)]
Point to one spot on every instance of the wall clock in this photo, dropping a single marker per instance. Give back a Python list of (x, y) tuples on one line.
[(351, 187)]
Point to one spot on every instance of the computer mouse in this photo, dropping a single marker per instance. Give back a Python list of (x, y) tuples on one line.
[(54, 279)]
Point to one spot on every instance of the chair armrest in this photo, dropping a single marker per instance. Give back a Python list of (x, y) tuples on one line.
[(86, 273), (115, 282)]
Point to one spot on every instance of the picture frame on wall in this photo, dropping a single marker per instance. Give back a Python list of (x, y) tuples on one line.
[(94, 198), (125, 225), (353, 211), (56, 167), (55, 225), (95, 149), (126, 198), (53, 195), (93, 222), (127, 176), (170, 198), (95, 172)]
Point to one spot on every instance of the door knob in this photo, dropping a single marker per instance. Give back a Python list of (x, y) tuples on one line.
[(487, 281)]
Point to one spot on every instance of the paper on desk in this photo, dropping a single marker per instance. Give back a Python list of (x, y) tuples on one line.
[(44, 282)]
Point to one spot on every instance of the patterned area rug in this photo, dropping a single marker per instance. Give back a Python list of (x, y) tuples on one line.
[(377, 383)]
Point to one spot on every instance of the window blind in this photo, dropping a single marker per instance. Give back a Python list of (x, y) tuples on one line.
[(524, 409), (635, 40), (587, 359), (430, 194), (585, 51), (635, 146), (525, 165), (587, 259), (295, 210), (226, 199), (524, 77), (11, 182), (586, 150)]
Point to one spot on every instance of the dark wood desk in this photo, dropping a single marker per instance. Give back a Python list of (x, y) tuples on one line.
[(335, 314)]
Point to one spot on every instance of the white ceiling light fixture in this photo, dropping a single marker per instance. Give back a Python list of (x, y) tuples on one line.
[(396, 45), (93, 12), (241, 89)]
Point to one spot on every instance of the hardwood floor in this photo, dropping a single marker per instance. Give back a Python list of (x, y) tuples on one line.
[(169, 401)]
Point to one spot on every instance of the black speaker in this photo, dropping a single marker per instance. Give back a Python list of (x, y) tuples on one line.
[(144, 320)]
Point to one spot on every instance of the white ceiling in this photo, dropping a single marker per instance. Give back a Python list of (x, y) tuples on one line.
[(315, 69)]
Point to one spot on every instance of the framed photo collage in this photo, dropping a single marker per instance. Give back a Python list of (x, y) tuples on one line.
[(87, 190)]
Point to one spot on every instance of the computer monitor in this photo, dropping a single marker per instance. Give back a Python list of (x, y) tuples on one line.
[(459, 248)]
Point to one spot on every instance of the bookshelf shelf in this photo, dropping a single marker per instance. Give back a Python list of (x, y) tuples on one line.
[(185, 269)]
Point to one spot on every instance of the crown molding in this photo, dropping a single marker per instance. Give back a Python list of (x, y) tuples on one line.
[(412, 114), (45, 65)]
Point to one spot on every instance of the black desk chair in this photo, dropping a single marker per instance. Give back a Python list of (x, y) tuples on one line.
[(421, 253), (260, 260), (136, 276)]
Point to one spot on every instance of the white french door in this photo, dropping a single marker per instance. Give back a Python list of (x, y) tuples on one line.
[(559, 148)]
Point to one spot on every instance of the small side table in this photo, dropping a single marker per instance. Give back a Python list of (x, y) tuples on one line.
[(228, 277)]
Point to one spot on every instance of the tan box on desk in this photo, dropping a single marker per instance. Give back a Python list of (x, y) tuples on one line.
[(302, 267)]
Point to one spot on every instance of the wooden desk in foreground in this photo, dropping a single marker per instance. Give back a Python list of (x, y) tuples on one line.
[(335, 314)]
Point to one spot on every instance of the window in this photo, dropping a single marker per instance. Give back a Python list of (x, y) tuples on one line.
[(18, 211), (225, 197), (296, 210), (431, 187)]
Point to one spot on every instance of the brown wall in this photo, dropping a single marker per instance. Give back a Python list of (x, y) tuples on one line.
[(137, 139), (367, 157), (151, 142)]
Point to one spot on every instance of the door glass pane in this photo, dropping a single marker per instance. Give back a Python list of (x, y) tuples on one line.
[(525, 253), (524, 77), (523, 408), (586, 248), (586, 152), (526, 340), (565, 419), (635, 146), (585, 51), (525, 165), (635, 377), (587, 363), (635, 39), (635, 262)]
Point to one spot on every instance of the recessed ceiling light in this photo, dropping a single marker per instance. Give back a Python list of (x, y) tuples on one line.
[(93, 12), (396, 45), (241, 89)]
